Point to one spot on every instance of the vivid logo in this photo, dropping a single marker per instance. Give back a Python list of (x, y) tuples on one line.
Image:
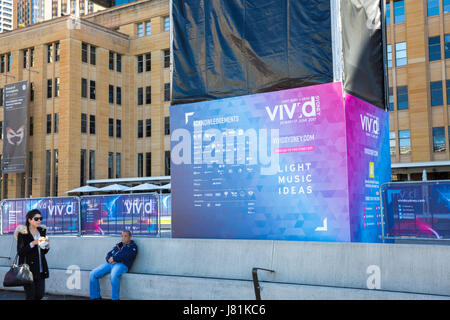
[(308, 110), (370, 124)]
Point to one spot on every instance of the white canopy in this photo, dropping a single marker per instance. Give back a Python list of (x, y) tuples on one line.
[(165, 187), (144, 187), (113, 187), (84, 189)]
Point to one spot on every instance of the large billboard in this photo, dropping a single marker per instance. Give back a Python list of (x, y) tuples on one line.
[(277, 166), (15, 127)]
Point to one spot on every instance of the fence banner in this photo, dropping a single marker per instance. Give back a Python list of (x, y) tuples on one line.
[(420, 210), (61, 214), (112, 214)]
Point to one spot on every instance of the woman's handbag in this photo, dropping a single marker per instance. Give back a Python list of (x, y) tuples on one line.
[(18, 275)]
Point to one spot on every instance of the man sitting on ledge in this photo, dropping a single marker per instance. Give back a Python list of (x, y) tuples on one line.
[(119, 260)]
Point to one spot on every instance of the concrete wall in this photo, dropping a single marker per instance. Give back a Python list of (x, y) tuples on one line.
[(221, 269)]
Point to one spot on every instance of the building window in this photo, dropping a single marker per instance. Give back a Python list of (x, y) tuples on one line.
[(48, 159), (148, 28), (434, 48), (402, 97), (93, 55), (140, 96), (447, 46), (391, 99), (166, 58), (140, 63), (49, 88), (49, 123), (140, 29), (118, 62), (148, 164), (31, 57), (404, 141), (436, 93), (49, 53), (118, 165), (83, 123), (148, 127), (111, 94), (84, 52), (31, 127), (92, 124), (399, 11), (55, 172), (8, 62), (389, 55), (111, 127), (118, 95), (83, 167), (24, 58), (148, 62), (140, 127), (432, 7), (91, 164), (55, 123), (111, 60), (388, 13), (400, 54), (166, 126), (140, 160), (57, 51), (110, 165), (31, 92), (439, 139), (392, 142), (92, 89), (83, 88), (1, 96), (148, 95), (56, 87), (1, 130), (166, 91), (447, 82), (118, 128), (446, 6), (167, 163), (166, 23)]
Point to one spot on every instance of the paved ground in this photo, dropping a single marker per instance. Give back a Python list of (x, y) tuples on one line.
[(17, 295)]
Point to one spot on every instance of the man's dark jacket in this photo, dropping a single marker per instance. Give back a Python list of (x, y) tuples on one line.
[(30, 255), (124, 253)]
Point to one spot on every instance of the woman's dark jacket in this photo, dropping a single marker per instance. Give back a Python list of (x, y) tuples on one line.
[(30, 255)]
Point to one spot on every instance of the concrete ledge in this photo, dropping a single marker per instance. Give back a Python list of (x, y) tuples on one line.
[(403, 268), (155, 287)]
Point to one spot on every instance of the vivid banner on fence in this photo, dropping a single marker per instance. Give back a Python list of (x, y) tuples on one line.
[(278, 166), (15, 127), (420, 210), (112, 214), (60, 214)]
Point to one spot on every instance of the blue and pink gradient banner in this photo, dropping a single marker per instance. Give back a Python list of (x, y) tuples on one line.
[(296, 164)]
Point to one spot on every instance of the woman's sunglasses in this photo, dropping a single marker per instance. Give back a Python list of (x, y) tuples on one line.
[(37, 219)]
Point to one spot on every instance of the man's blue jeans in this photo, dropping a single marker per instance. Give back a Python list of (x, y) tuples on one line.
[(116, 271)]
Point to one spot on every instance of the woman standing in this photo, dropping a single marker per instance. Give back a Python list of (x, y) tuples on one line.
[(32, 254)]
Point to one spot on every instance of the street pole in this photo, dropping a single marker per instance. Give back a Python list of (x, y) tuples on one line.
[(27, 159)]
